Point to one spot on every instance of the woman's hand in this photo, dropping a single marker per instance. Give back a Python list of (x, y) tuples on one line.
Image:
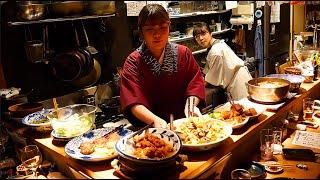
[(160, 123), (191, 108)]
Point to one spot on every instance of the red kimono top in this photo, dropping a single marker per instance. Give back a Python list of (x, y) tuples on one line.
[(162, 89)]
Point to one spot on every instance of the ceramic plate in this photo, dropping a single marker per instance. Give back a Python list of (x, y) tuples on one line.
[(72, 148), (35, 119), (259, 109), (225, 132), (125, 146)]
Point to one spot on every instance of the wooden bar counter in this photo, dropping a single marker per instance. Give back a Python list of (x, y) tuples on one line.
[(205, 164)]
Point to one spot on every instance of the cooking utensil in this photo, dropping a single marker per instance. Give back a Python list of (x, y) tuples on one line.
[(67, 8), (30, 10), (90, 78), (295, 80), (89, 48), (34, 48), (101, 7), (171, 122), (270, 94)]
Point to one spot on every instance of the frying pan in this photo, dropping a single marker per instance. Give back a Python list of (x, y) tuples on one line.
[(91, 78)]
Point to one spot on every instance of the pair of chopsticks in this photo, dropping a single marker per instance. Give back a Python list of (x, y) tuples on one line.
[(190, 101), (140, 130), (275, 165), (55, 105), (230, 98), (114, 130)]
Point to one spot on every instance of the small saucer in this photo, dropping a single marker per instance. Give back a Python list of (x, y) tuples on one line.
[(271, 168)]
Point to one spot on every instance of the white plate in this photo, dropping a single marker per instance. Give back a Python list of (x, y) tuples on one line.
[(205, 146), (73, 150), (259, 109)]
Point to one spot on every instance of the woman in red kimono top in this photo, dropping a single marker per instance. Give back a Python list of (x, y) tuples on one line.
[(158, 77)]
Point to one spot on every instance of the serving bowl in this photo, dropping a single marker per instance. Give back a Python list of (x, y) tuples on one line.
[(295, 80), (125, 148), (221, 128), (268, 89), (23, 109), (38, 121), (73, 120)]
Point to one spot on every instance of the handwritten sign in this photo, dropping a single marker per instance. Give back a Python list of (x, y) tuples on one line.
[(307, 139)]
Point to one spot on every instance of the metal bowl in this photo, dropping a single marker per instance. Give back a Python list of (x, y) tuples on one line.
[(270, 94), (67, 8), (295, 80), (30, 11)]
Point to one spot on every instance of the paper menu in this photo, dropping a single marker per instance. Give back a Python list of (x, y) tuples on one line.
[(307, 139)]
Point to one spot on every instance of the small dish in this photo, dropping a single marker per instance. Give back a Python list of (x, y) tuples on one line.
[(273, 167), (255, 169)]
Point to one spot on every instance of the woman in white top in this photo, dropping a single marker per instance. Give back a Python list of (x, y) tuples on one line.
[(223, 67)]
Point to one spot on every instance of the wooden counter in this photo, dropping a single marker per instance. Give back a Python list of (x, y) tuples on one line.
[(200, 164)]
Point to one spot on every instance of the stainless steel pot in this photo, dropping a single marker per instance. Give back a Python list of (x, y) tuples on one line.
[(269, 94), (67, 8), (30, 10), (101, 7)]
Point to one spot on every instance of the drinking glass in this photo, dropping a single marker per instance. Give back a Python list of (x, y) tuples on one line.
[(277, 141), (266, 144), (31, 158), (307, 109)]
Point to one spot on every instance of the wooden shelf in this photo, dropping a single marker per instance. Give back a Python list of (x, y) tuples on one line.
[(191, 37), (197, 13), (16, 23)]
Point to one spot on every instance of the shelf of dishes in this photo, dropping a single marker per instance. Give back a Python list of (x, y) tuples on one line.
[(185, 37), (197, 13), (59, 19)]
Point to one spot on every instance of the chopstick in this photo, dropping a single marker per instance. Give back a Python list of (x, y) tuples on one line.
[(190, 101), (276, 165), (114, 130), (171, 122), (55, 104)]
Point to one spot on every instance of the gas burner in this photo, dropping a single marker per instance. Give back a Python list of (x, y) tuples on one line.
[(102, 118)]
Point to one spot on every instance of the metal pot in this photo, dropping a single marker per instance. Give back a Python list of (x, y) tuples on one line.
[(67, 8), (30, 10), (101, 7), (67, 66), (34, 50), (90, 78), (271, 94)]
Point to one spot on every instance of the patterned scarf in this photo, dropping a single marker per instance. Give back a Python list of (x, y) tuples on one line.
[(170, 59)]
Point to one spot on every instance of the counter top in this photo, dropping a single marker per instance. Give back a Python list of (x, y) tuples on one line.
[(198, 163)]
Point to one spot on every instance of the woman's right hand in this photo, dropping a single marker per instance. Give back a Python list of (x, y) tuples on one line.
[(159, 123)]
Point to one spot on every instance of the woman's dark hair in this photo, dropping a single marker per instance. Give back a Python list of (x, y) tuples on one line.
[(199, 28), (152, 12)]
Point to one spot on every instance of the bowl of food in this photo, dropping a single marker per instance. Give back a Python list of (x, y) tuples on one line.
[(73, 120), (293, 70), (295, 80), (199, 134), (268, 89), (38, 121), (154, 146)]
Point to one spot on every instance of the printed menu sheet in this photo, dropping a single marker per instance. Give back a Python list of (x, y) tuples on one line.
[(307, 139)]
